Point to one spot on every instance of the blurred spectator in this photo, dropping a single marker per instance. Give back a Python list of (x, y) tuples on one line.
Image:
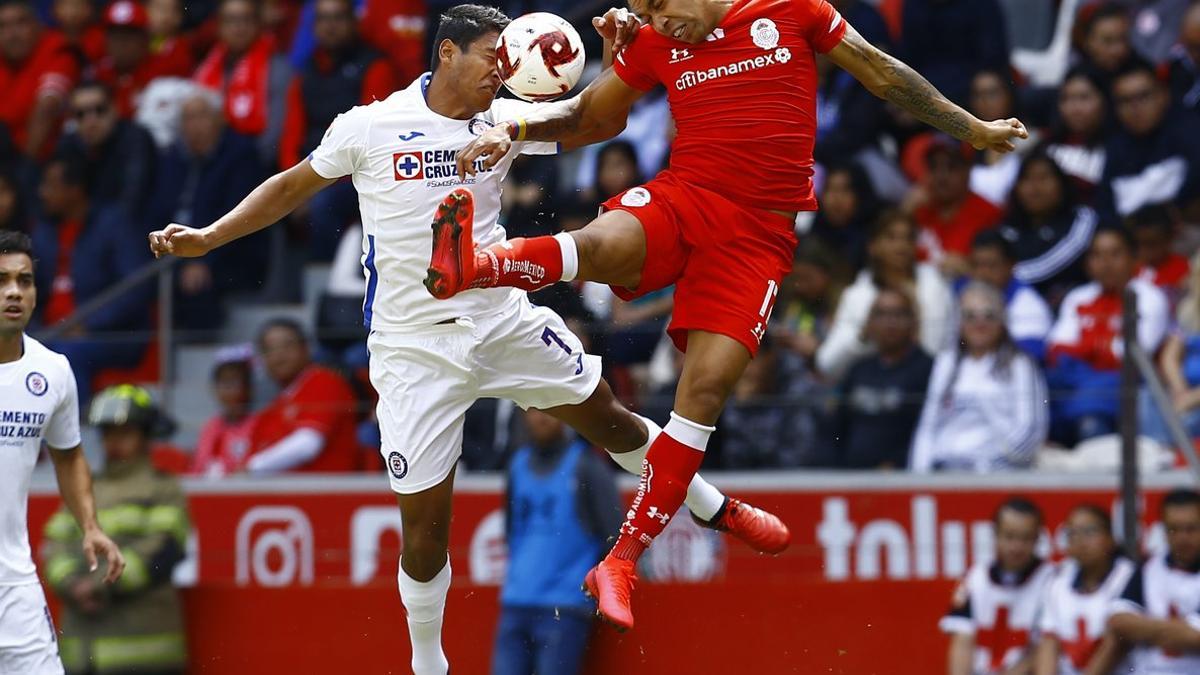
[(1154, 228), (1028, 316), (82, 249), (1156, 27), (1155, 156), (892, 264), (951, 214), (310, 425), (1080, 131), (848, 208), (36, 73), (994, 97), (341, 73), (636, 326), (224, 438), (170, 46), (1048, 232), (1104, 40), (129, 64), (994, 612), (880, 397), (1078, 599), (201, 178), (763, 426), (986, 407), (1156, 613), (647, 130), (251, 78), (949, 41), (135, 625), (397, 28), (850, 118), (14, 213), (1179, 365), (1085, 344), (76, 23), (339, 316), (561, 505), (616, 170), (1183, 65), (117, 155), (528, 204), (807, 300)]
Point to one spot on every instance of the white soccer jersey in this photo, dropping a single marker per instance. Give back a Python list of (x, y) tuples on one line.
[(401, 155), (1076, 618), (1001, 613), (38, 402), (1160, 590)]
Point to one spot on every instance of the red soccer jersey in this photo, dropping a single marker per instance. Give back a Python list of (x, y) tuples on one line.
[(744, 100), (319, 399), (49, 70)]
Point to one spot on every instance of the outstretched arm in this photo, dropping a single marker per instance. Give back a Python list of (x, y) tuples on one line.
[(276, 197), (892, 80)]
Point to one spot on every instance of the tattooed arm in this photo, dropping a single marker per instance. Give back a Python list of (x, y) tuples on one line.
[(892, 80)]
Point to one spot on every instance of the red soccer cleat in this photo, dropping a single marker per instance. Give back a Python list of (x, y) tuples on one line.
[(610, 583), (452, 265), (762, 530)]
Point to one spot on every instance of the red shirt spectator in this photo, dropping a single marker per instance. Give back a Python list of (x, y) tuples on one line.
[(1170, 274), (176, 51), (128, 64), (225, 439), (340, 74), (76, 23), (953, 215), (310, 426), (36, 73), (397, 28)]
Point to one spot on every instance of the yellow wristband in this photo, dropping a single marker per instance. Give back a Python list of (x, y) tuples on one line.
[(518, 129)]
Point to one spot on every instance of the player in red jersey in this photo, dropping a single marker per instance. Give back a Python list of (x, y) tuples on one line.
[(741, 82)]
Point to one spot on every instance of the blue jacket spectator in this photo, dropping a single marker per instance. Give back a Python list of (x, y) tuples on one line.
[(948, 41), (82, 250), (1183, 64), (202, 177), (849, 117), (1155, 156), (562, 503)]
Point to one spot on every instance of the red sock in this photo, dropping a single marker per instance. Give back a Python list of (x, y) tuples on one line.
[(527, 264), (671, 462)]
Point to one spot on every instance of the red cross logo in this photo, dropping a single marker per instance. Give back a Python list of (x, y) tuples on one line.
[(1000, 638), (1081, 649)]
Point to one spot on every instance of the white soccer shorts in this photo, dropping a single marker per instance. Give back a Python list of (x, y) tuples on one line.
[(427, 380), (28, 642)]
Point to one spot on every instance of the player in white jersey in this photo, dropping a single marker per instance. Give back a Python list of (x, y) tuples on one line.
[(993, 617), (431, 359), (1158, 614), (1076, 606), (38, 405)]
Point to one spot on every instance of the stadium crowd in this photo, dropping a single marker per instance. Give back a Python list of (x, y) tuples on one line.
[(948, 309)]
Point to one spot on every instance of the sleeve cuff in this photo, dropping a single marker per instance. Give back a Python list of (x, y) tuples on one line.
[(957, 625)]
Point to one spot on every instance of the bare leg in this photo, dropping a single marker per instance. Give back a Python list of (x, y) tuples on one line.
[(424, 575)]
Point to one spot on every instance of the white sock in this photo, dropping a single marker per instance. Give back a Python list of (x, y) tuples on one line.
[(702, 499), (425, 603), (570, 255)]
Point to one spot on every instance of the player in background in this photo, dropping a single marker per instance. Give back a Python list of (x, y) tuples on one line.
[(38, 404), (1076, 606), (995, 609), (1158, 613), (430, 360), (718, 223)]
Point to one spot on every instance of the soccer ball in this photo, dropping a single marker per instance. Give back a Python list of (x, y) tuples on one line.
[(540, 56)]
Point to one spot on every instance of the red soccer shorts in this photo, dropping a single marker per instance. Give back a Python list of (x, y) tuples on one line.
[(725, 259)]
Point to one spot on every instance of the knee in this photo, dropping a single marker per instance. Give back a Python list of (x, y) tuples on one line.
[(425, 546)]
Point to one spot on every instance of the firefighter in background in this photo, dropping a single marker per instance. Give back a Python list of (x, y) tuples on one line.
[(135, 625)]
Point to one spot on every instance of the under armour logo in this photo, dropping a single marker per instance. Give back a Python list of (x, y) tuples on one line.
[(658, 515), (678, 55)]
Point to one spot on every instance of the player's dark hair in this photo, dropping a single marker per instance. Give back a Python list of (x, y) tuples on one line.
[(12, 241), (284, 323), (1119, 232), (464, 24), (1097, 512), (1019, 505), (994, 240), (1180, 497), (1153, 217)]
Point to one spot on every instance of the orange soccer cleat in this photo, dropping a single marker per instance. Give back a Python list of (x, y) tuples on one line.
[(452, 265), (762, 530), (611, 583)]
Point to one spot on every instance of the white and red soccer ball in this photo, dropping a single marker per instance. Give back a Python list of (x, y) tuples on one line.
[(540, 56)]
